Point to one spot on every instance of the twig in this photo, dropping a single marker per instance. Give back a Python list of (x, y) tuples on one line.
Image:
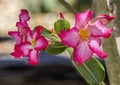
[(68, 6)]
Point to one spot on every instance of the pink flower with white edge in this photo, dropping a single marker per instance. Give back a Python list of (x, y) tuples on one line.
[(22, 25), (85, 36), (35, 43), (28, 43), (21, 34)]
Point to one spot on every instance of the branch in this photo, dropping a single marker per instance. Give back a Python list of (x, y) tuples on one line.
[(68, 6)]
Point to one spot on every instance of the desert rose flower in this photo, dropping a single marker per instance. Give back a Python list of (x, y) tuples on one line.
[(22, 25), (34, 43), (85, 36), (28, 43), (21, 34)]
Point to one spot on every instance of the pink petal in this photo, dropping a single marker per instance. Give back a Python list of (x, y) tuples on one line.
[(16, 35), (105, 19), (24, 15), (94, 46), (95, 32), (16, 54), (36, 33), (21, 24), (97, 39), (41, 43), (111, 17), (13, 33), (100, 28), (81, 19), (69, 37), (24, 48), (29, 36), (33, 58), (82, 53)]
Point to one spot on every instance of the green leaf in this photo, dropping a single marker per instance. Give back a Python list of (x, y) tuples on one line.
[(61, 24), (92, 70), (50, 35), (55, 48)]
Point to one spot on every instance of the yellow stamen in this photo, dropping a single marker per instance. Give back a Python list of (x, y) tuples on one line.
[(33, 43), (53, 31), (84, 34)]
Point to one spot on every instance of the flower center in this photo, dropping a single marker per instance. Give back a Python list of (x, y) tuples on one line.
[(33, 43), (84, 34)]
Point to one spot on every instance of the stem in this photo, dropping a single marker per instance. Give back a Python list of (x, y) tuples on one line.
[(68, 6), (102, 83)]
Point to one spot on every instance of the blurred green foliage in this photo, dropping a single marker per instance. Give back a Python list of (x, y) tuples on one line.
[(36, 6)]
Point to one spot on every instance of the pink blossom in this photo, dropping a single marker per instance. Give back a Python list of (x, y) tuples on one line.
[(22, 25), (34, 43), (28, 43), (85, 36)]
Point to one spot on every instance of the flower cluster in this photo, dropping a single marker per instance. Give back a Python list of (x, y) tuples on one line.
[(85, 36), (28, 42)]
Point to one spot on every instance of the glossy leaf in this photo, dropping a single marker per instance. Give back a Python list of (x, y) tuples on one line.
[(92, 70), (48, 34), (61, 24), (55, 48)]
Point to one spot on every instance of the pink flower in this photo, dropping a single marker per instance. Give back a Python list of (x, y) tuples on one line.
[(28, 43), (34, 43), (22, 25), (85, 36)]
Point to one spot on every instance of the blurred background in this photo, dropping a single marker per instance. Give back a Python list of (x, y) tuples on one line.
[(52, 70)]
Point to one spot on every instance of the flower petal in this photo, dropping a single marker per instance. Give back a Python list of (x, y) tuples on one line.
[(16, 54), (41, 43), (100, 28), (24, 48), (95, 32), (24, 15), (13, 33), (69, 37), (33, 57), (97, 39), (94, 46), (81, 19), (16, 35), (29, 36), (105, 19), (36, 33), (20, 25), (82, 53)]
